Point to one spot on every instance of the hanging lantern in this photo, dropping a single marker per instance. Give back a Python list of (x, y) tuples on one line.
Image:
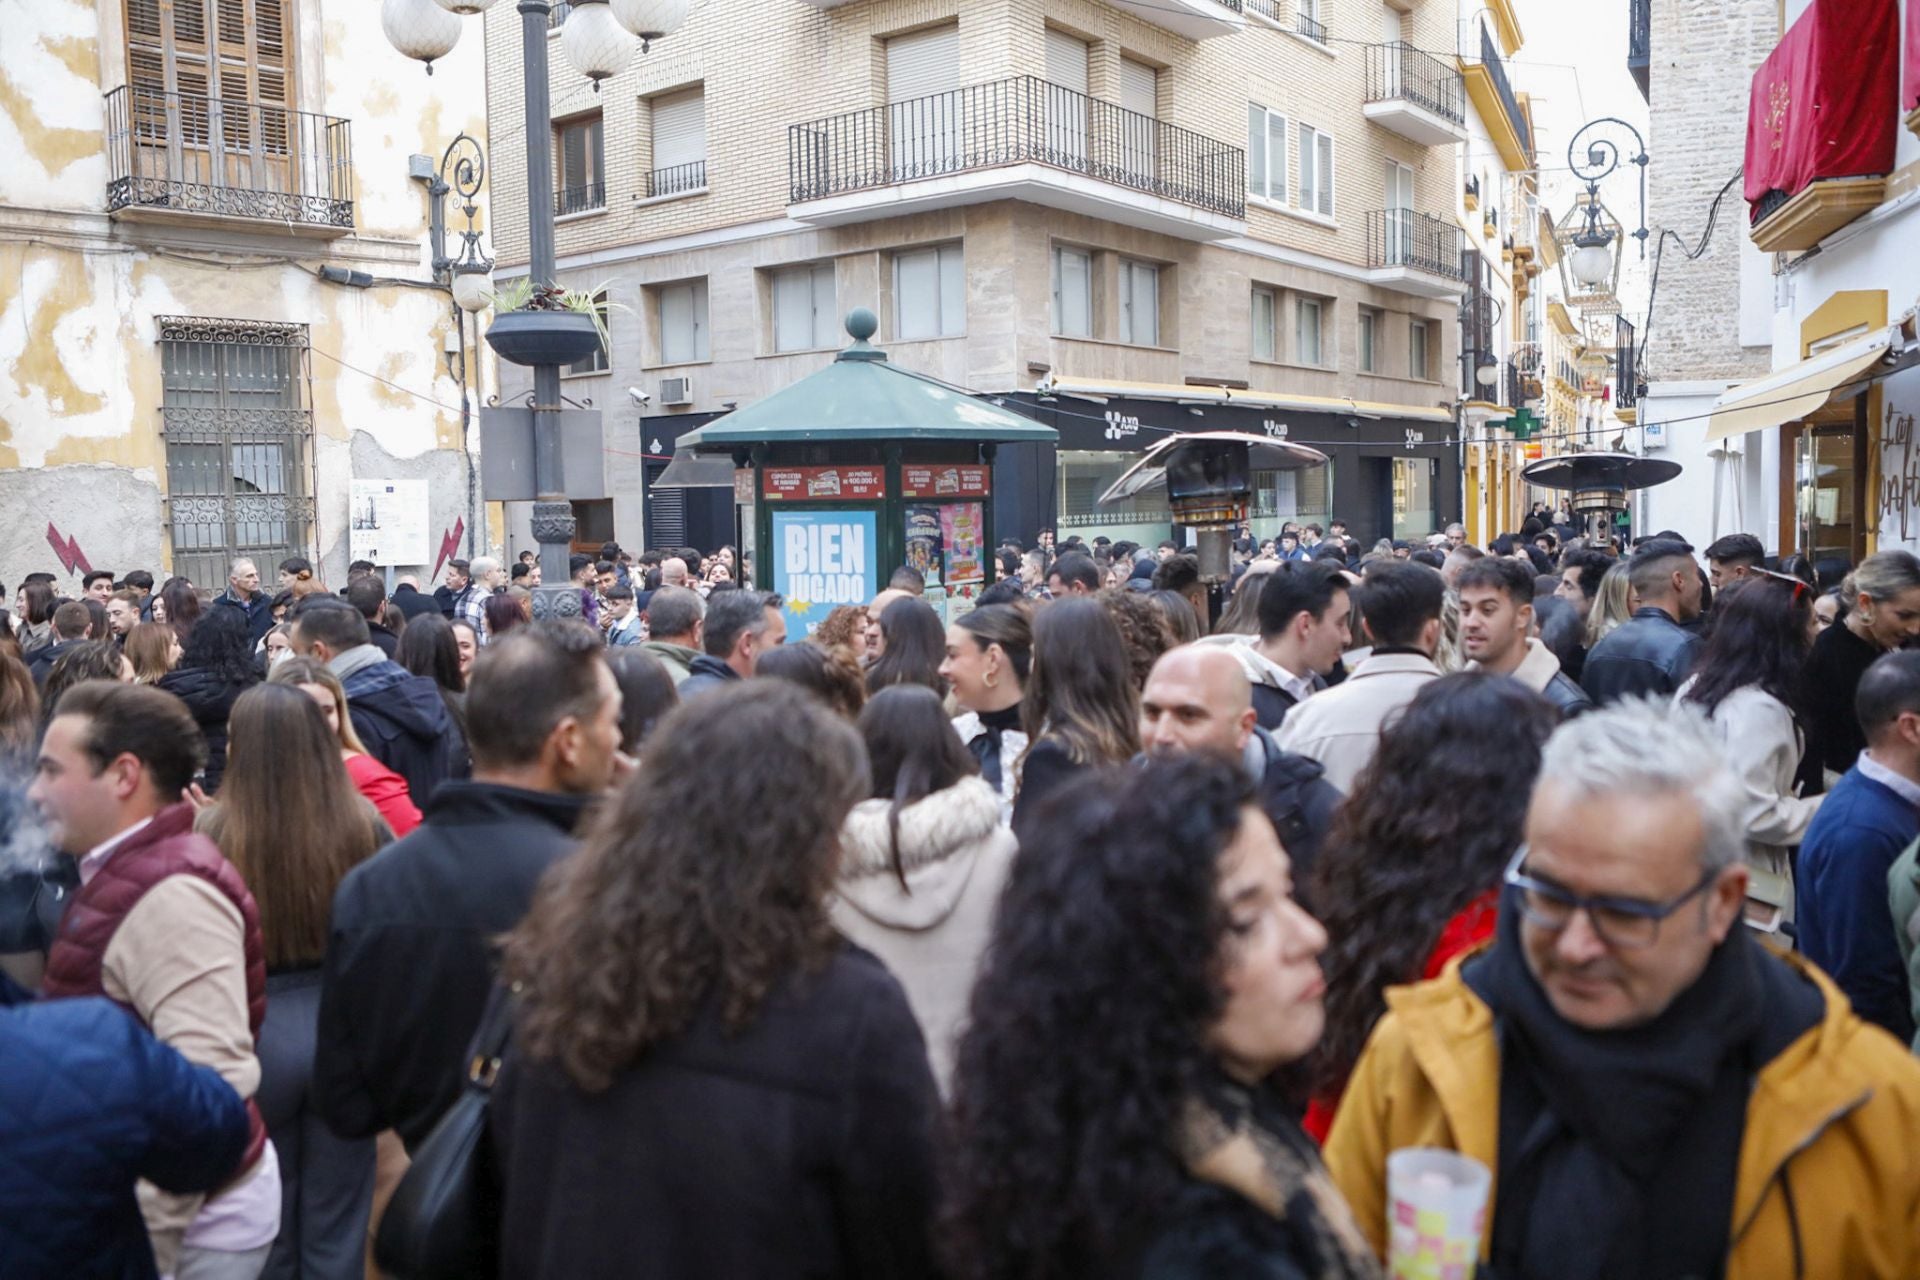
[(651, 19), (465, 8), (420, 29), (595, 42)]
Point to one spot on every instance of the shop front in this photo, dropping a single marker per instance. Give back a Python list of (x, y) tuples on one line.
[(1393, 471)]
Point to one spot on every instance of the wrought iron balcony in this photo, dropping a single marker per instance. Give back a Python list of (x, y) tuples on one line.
[(175, 154), (1415, 94), (1019, 121), (1626, 364), (1640, 42), (585, 198), (1310, 27), (1415, 253), (1497, 68), (677, 180)]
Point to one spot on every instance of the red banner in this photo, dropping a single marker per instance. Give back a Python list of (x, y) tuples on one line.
[(1910, 96), (1822, 102), (945, 481), (823, 484)]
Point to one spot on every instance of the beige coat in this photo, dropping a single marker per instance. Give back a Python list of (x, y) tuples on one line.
[(932, 933), (1340, 727)]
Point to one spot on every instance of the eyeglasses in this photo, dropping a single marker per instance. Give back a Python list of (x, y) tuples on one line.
[(1625, 923)]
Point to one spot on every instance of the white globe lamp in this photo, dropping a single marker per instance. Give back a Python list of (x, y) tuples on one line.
[(1592, 261), (465, 8), (420, 29), (651, 19), (595, 42), (472, 286)]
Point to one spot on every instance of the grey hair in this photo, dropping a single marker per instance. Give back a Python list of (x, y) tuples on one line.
[(1644, 746), (481, 566)]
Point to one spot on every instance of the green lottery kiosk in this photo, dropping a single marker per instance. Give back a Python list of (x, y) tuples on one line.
[(861, 468)]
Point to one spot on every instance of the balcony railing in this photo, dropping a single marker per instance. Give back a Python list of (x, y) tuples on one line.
[(677, 179), (581, 199), (1398, 70), (1310, 27), (1023, 120), (557, 14), (1497, 68), (228, 158), (1626, 364), (1640, 41), (1420, 241), (1268, 9)]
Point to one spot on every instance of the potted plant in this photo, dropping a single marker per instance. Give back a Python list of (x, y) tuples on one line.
[(545, 324)]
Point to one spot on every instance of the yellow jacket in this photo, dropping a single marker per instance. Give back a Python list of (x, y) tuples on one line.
[(1829, 1181)]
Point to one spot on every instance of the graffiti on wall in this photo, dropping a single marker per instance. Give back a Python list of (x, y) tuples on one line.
[(1899, 472), (72, 559)]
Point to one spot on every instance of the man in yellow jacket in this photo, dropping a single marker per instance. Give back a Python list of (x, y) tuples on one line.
[(1657, 1095)]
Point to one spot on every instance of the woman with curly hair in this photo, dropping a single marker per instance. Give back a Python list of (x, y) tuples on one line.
[(831, 673), (705, 1075), (1144, 629), (1410, 875), (1081, 708), (216, 666), (1112, 1109), (844, 628)]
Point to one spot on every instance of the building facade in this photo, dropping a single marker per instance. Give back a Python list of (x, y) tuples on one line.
[(1129, 217), (211, 268)]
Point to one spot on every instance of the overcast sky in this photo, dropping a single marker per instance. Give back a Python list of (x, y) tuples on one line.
[(1574, 66)]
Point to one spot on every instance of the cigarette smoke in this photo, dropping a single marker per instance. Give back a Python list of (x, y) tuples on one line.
[(26, 845)]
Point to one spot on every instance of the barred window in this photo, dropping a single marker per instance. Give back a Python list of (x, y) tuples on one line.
[(236, 418)]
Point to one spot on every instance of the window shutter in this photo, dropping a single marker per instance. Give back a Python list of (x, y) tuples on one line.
[(1276, 156), (679, 129), (596, 150), (923, 64), (1139, 87), (676, 324), (916, 285), (953, 291), (1308, 162), (824, 300), (1323, 174), (1256, 149), (573, 156), (1066, 61)]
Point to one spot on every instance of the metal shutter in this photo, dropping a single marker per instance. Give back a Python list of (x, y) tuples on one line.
[(1066, 61), (1139, 86), (1325, 174), (923, 64), (679, 129)]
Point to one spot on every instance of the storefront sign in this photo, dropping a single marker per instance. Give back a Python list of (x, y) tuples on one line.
[(823, 484), (1899, 472), (824, 559), (945, 481)]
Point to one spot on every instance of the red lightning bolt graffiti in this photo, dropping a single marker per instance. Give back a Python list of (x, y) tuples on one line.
[(72, 559), (449, 543)]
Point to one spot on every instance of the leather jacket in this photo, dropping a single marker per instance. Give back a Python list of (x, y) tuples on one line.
[(1650, 653)]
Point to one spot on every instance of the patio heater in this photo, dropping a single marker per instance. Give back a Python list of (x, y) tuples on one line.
[(1598, 484)]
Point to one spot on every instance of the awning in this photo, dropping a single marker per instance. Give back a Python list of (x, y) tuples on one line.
[(1798, 390), (1099, 389)]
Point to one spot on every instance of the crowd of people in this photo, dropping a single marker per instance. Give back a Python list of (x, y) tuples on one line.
[(1122, 921)]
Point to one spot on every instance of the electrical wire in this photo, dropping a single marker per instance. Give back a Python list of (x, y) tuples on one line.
[(384, 381), (1692, 255)]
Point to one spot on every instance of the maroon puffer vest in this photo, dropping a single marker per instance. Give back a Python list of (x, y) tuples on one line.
[(165, 847)]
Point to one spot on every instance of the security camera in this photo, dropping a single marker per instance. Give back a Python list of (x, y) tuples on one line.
[(639, 397)]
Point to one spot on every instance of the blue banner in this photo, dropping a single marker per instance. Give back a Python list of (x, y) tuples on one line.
[(822, 560)]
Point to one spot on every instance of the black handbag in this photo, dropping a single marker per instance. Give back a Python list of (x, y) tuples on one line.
[(443, 1221)]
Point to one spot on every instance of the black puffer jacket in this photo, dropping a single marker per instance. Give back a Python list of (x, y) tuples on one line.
[(1649, 653), (1294, 792), (210, 698)]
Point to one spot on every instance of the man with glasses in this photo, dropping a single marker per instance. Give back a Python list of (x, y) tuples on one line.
[(1656, 1094)]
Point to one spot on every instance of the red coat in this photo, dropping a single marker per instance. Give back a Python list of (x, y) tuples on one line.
[(386, 791), (1470, 927)]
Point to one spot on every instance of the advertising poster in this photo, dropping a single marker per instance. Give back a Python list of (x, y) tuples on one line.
[(823, 484), (821, 560), (962, 526), (924, 544), (388, 523)]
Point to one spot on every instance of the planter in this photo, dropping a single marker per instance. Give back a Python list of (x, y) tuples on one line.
[(543, 337)]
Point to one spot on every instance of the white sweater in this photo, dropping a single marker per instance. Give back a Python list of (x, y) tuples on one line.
[(1764, 748)]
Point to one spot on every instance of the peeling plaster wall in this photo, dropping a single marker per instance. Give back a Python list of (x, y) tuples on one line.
[(80, 378)]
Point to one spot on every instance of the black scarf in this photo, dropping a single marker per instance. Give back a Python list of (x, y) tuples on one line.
[(1619, 1149), (985, 745)]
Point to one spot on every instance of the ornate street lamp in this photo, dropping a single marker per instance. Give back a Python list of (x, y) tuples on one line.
[(1593, 242), (417, 29)]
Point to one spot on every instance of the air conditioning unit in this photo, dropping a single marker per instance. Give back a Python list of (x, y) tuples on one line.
[(676, 391)]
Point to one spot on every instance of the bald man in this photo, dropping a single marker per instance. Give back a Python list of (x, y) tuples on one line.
[(1197, 699)]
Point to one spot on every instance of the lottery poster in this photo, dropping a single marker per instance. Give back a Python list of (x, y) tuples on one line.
[(962, 526), (823, 559), (925, 544)]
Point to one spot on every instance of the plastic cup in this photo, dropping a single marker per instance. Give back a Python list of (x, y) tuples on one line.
[(1436, 1213)]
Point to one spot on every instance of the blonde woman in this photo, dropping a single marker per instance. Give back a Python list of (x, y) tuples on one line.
[(153, 649), (383, 787), (1613, 603)]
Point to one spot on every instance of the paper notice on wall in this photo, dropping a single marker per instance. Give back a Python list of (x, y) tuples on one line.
[(387, 523)]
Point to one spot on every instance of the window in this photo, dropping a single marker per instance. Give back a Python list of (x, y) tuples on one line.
[(1140, 303), (581, 185), (239, 440), (681, 314), (1369, 337), (1072, 293), (929, 294), (1418, 363), (1316, 172), (925, 129), (1139, 100), (1306, 330), (679, 144), (1067, 60), (190, 66), (803, 304), (597, 362), (1266, 312), (1266, 152)]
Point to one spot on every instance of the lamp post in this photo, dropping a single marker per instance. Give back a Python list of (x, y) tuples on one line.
[(418, 29), (469, 277), (1593, 244)]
